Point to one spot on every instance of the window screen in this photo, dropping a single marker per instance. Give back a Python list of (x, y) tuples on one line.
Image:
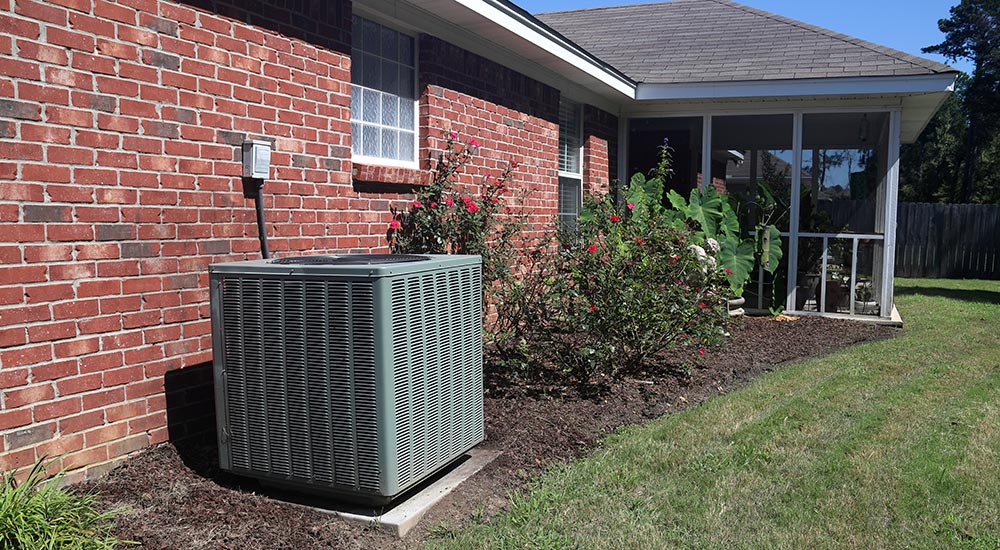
[(383, 92)]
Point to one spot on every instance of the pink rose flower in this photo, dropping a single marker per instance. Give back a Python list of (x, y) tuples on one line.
[(453, 135), (631, 205), (417, 204), (448, 201), (394, 224), (473, 143)]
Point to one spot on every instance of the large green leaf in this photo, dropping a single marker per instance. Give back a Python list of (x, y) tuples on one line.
[(730, 224), (737, 258), (706, 209), (768, 244), (678, 202)]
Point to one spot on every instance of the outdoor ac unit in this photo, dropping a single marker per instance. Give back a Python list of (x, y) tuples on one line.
[(355, 376)]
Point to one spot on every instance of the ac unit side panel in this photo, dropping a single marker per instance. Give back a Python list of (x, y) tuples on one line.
[(437, 369)]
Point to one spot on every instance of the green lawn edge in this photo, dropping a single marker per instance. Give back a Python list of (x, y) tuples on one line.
[(891, 444)]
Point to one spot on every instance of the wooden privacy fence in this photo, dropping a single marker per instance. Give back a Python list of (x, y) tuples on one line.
[(948, 240)]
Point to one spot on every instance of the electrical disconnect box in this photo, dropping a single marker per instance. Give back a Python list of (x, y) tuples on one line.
[(256, 159)]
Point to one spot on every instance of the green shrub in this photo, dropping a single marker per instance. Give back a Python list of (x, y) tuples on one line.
[(623, 288), (37, 515)]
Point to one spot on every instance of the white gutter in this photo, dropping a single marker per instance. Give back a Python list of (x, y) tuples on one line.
[(530, 29), (805, 87)]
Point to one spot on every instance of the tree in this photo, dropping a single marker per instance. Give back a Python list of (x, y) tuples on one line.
[(931, 168), (973, 32)]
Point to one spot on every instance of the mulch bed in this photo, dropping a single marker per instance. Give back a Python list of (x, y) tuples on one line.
[(175, 502)]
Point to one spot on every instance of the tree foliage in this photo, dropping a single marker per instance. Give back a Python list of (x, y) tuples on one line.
[(955, 160)]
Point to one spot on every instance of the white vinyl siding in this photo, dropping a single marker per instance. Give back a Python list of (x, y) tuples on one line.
[(570, 164), (383, 94)]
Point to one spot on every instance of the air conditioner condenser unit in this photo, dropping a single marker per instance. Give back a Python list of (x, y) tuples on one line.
[(354, 376)]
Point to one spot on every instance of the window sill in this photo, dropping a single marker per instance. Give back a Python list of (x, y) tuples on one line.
[(373, 173)]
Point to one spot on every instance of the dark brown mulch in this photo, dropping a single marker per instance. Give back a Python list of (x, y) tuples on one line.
[(189, 504)]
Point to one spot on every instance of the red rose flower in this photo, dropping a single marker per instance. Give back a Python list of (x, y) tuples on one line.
[(592, 248)]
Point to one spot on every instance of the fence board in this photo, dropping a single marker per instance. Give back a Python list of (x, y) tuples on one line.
[(948, 240)]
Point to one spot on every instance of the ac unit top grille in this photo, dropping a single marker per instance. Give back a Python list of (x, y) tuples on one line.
[(351, 259)]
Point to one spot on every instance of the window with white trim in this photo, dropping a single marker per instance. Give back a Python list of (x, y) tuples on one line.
[(570, 164), (383, 94)]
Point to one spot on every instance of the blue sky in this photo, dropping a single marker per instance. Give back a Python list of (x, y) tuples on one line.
[(906, 25)]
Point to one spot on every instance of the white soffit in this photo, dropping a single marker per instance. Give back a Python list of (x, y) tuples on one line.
[(506, 25)]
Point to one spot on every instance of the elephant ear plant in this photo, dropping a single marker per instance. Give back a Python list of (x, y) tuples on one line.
[(714, 222)]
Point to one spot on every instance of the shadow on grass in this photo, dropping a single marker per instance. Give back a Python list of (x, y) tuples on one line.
[(962, 295)]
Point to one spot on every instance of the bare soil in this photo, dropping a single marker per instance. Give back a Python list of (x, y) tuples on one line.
[(187, 503)]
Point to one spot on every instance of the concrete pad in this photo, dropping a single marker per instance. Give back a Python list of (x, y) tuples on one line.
[(404, 514)]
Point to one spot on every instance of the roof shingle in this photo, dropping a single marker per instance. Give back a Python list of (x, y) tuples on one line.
[(719, 40)]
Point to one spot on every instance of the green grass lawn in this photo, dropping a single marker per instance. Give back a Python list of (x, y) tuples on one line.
[(884, 445)]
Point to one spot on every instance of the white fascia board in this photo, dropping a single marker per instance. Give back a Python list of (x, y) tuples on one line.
[(803, 87), (531, 30)]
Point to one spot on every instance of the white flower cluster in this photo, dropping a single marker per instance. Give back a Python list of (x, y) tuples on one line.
[(706, 258)]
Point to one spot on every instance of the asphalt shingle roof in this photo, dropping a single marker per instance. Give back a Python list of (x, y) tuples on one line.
[(719, 40)]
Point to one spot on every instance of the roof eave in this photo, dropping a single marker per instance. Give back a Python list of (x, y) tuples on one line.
[(502, 22), (903, 84)]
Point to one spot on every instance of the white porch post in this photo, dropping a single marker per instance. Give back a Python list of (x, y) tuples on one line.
[(891, 201), (706, 151), (793, 218)]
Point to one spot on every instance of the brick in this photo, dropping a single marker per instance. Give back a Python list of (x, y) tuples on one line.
[(76, 270), (104, 434), (98, 325), (122, 376), (20, 109), (16, 418), (103, 398), (60, 446), (25, 314), (128, 445), (46, 213), (23, 274), (57, 409), (115, 232), (84, 457), (69, 232), (10, 378), (11, 337), (76, 309), (30, 436), (25, 356), (52, 331), (39, 11), (100, 362), (20, 397), (125, 411), (17, 459), (79, 384), (54, 370), (49, 293), (76, 348)]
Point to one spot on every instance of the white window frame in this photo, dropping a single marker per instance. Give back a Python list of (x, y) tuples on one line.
[(577, 176), (379, 161)]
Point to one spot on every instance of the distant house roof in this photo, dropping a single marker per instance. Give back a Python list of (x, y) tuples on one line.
[(688, 41)]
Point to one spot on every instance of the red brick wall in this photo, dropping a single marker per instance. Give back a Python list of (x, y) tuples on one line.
[(600, 149), (120, 126), (512, 117)]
